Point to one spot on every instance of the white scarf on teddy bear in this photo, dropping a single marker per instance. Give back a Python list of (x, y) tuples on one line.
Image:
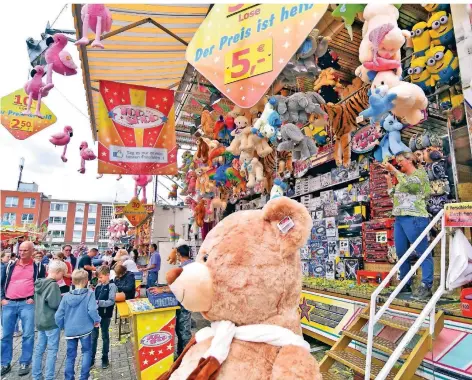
[(224, 332)]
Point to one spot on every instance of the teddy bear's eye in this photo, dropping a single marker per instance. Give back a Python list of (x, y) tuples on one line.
[(382, 83), (205, 258)]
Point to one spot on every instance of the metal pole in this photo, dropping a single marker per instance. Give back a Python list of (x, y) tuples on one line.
[(22, 165)]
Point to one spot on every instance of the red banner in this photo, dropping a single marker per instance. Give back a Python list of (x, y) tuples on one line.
[(136, 131)]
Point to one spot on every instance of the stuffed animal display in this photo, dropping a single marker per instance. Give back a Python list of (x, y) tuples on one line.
[(295, 141), (141, 181), (86, 154), (391, 144), (63, 139), (173, 192), (58, 59), (98, 18), (243, 303), (174, 236), (36, 90)]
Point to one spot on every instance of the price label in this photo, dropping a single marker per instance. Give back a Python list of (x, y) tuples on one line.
[(21, 125), (249, 61), (381, 237)]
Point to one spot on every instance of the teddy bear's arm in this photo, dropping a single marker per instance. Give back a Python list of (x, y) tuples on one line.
[(293, 362)]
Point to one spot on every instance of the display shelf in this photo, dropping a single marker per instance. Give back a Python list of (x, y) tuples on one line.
[(332, 186)]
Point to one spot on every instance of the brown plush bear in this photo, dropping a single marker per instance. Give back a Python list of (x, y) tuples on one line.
[(247, 281)]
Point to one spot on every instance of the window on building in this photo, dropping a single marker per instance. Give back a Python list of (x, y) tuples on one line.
[(27, 218), (11, 202), (57, 220), (79, 221), (58, 206), (91, 221), (92, 208), (77, 235), (10, 218), (80, 207), (90, 234), (29, 202), (56, 233)]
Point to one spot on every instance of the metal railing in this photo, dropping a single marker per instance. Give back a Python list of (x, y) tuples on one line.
[(429, 309)]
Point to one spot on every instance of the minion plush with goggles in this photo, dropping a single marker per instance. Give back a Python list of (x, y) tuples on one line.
[(441, 29), (443, 65), (419, 75), (420, 38)]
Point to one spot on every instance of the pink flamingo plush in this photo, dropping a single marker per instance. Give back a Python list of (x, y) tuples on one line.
[(101, 175), (35, 90), (62, 139), (86, 154), (98, 18), (141, 181), (58, 59)]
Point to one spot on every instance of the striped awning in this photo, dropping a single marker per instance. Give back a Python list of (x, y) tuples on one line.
[(146, 46)]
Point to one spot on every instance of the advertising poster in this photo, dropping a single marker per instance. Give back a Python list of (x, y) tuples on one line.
[(242, 48), (136, 130), (458, 214), (22, 126)]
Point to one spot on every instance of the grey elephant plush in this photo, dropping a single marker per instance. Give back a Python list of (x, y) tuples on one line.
[(301, 105), (280, 105), (293, 140)]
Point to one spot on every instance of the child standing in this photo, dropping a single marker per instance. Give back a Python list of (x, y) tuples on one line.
[(105, 293), (77, 315), (47, 297)]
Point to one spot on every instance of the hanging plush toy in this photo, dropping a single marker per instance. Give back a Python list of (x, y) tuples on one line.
[(172, 259), (36, 90), (441, 29), (98, 18), (278, 189), (174, 236), (173, 193), (293, 140), (391, 144), (141, 181), (58, 59), (420, 38), (62, 139), (380, 103), (443, 66), (207, 123), (420, 75), (86, 154), (268, 124), (348, 13), (327, 85)]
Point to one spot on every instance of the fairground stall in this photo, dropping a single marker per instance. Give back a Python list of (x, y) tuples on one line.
[(309, 101)]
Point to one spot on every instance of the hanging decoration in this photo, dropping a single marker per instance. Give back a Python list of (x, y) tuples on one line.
[(35, 88), (62, 139), (141, 181), (136, 130), (86, 154), (58, 59), (98, 18)]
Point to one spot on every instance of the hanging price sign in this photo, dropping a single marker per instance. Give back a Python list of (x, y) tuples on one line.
[(135, 212), (20, 125), (234, 47), (253, 60)]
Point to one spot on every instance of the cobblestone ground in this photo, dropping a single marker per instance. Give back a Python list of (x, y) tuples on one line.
[(121, 357)]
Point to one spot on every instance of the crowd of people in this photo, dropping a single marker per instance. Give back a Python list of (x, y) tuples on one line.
[(48, 293)]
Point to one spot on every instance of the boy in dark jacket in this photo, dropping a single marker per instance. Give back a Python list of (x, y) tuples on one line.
[(47, 297), (105, 293), (77, 315)]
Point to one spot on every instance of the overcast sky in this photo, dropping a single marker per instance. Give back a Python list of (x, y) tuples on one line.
[(43, 164)]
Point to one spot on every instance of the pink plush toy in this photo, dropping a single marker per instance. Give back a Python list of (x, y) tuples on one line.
[(58, 59), (141, 181), (119, 176), (86, 154), (98, 18), (192, 182), (36, 90), (62, 139)]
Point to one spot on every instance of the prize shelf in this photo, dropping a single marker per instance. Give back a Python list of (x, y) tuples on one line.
[(334, 186)]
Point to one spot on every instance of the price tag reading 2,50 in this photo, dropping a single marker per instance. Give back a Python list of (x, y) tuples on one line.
[(249, 61)]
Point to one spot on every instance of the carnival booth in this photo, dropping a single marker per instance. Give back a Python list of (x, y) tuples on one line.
[(326, 105)]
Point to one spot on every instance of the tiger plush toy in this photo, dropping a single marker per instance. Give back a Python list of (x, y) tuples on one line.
[(342, 120)]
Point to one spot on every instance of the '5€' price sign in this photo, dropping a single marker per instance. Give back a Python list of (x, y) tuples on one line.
[(252, 60)]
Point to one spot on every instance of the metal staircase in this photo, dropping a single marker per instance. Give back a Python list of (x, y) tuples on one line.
[(392, 369)]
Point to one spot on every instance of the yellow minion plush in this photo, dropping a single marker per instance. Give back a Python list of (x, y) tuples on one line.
[(419, 75), (421, 38), (441, 29), (443, 65)]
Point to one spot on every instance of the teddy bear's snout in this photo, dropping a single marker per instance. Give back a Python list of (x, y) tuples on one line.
[(172, 275)]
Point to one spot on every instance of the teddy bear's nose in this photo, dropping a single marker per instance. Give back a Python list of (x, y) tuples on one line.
[(172, 275)]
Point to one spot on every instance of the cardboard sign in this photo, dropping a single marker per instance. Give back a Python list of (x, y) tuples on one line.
[(242, 48), (23, 126), (136, 132), (458, 214), (135, 212)]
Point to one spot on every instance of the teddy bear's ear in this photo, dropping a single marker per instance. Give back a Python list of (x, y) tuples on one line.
[(292, 222)]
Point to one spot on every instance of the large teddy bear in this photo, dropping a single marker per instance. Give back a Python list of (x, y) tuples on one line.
[(252, 302)]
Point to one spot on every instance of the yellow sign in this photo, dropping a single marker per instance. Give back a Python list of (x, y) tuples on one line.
[(248, 62), (23, 126), (135, 212), (323, 314), (233, 47), (458, 214)]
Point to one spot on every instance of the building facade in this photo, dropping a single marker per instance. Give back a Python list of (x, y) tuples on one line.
[(69, 221)]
